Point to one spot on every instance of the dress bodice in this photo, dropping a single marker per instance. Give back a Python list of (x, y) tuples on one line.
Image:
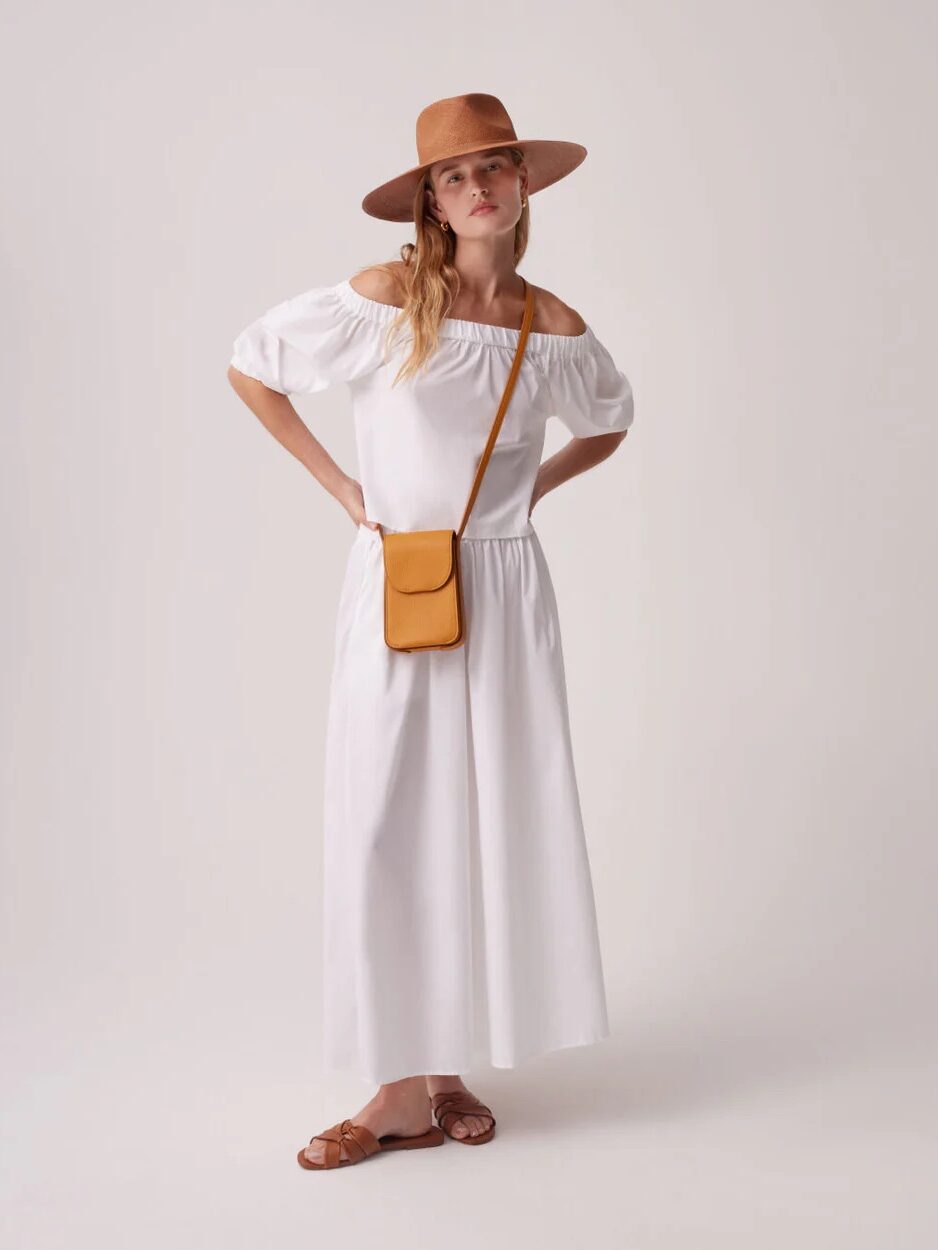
[(419, 441)]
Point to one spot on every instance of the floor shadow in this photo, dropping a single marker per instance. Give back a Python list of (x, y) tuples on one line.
[(668, 1069)]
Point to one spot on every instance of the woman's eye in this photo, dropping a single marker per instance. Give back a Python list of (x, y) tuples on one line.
[(492, 165)]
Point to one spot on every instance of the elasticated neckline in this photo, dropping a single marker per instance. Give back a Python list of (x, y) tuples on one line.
[(472, 331)]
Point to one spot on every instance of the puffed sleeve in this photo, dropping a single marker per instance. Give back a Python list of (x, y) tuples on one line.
[(588, 393), (309, 342)]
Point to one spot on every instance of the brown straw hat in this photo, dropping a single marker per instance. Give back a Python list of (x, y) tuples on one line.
[(461, 124)]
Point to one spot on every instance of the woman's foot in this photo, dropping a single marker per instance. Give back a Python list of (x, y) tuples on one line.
[(401, 1108), (464, 1126)]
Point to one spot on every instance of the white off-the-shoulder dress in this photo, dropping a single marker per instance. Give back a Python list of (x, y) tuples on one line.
[(459, 917)]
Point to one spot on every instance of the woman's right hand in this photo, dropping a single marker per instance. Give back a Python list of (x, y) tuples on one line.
[(353, 501)]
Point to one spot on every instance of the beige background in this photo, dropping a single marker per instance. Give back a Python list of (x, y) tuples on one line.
[(746, 588)]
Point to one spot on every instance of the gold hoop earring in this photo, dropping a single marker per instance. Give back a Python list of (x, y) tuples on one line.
[(444, 225), (524, 203)]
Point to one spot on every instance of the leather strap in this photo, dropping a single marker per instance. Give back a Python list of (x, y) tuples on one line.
[(503, 406), (456, 1102), (359, 1143)]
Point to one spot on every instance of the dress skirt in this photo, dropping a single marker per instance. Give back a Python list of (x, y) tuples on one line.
[(458, 909)]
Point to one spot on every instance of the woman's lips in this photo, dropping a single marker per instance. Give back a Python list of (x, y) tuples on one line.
[(484, 208)]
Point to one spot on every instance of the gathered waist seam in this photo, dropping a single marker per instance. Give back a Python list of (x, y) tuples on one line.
[(466, 538)]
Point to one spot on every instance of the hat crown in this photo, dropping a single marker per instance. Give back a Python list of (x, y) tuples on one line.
[(450, 126)]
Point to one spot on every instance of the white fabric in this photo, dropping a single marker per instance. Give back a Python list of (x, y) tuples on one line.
[(459, 920)]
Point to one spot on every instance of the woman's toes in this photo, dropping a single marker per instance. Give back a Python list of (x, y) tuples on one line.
[(316, 1150), (469, 1126)]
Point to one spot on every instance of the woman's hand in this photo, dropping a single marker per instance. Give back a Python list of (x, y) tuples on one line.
[(353, 501), (536, 494)]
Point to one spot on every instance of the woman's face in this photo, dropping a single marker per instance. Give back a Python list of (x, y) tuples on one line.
[(461, 183)]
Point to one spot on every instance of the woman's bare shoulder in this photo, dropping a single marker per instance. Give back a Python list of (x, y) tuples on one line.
[(553, 316), (383, 284), (379, 282)]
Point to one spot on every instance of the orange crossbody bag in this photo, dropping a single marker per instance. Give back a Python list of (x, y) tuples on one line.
[(423, 595)]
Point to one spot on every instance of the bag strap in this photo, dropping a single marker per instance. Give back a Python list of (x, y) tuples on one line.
[(503, 406)]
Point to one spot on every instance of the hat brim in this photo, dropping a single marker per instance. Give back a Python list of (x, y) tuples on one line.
[(547, 161)]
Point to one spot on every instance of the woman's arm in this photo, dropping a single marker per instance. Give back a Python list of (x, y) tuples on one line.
[(576, 457), (277, 414)]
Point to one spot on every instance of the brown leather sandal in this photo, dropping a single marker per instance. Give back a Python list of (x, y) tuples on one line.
[(360, 1143), (458, 1104)]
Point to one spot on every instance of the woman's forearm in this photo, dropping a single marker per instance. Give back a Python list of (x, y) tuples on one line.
[(574, 458), (277, 414)]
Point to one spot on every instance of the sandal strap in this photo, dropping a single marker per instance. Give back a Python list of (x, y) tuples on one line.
[(358, 1140), (457, 1103)]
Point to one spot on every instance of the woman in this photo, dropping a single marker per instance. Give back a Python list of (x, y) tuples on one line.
[(459, 919)]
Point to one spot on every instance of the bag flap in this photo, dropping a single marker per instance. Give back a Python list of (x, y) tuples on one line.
[(416, 560)]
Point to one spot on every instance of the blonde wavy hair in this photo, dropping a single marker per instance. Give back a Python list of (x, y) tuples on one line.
[(428, 282)]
